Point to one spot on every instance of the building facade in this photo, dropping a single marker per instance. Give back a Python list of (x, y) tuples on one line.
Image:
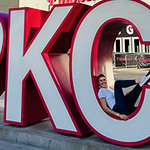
[(39, 4), (42, 4), (6, 4), (128, 42), (48, 4)]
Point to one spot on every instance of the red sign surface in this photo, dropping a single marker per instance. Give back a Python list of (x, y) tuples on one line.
[(42, 81)]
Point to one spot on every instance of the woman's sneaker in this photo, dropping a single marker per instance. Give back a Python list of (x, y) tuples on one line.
[(144, 80), (148, 73)]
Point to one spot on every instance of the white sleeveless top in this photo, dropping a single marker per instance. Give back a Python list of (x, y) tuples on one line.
[(107, 93)]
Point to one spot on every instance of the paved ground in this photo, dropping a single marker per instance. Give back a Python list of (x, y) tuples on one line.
[(130, 73), (10, 146), (42, 135)]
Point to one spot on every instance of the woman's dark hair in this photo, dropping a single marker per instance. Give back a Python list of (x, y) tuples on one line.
[(99, 76)]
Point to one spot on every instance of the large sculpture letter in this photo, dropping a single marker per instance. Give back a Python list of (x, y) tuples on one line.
[(3, 33), (88, 42), (30, 60)]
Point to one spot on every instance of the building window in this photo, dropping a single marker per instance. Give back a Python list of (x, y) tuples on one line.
[(147, 48), (117, 45), (136, 45), (126, 45)]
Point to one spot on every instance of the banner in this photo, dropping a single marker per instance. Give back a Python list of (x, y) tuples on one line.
[(125, 60), (132, 60), (143, 61)]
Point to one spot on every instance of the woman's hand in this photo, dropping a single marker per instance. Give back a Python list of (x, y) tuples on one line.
[(123, 117), (137, 81)]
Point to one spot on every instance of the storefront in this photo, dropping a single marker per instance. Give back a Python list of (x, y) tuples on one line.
[(129, 52)]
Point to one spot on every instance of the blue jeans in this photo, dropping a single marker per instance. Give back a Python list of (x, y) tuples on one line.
[(125, 103)]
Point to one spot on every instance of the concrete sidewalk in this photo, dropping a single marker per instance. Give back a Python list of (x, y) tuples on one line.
[(11, 146), (42, 135)]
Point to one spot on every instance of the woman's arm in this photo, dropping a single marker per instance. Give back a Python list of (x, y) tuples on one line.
[(108, 110)]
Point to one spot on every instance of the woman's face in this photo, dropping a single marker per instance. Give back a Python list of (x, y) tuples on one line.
[(103, 82)]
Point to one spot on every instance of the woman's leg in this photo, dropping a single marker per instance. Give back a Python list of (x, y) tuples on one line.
[(125, 104), (133, 96), (122, 105)]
